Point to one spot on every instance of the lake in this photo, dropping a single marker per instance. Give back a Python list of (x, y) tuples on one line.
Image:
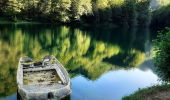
[(104, 64)]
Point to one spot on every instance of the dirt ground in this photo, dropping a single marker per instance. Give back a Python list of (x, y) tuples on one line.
[(163, 95)]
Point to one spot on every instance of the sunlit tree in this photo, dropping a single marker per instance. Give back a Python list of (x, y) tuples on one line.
[(103, 10), (44, 7), (60, 10), (12, 8), (81, 7)]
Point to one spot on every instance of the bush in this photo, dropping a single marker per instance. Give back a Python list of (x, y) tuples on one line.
[(162, 55)]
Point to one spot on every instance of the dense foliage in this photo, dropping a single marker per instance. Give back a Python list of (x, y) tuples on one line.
[(125, 12), (162, 55), (160, 17)]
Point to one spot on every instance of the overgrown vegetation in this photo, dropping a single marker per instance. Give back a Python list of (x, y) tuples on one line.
[(162, 55), (128, 12)]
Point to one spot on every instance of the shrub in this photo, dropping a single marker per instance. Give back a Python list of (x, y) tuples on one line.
[(162, 55)]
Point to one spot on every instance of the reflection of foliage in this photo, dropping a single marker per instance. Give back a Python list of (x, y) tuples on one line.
[(78, 51), (163, 2), (132, 49), (101, 48), (160, 17), (129, 58), (72, 49), (7, 69), (162, 55), (134, 58), (144, 16)]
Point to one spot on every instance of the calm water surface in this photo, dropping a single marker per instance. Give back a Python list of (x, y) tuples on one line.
[(104, 64)]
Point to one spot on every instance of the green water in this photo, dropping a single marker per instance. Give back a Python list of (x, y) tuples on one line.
[(102, 63)]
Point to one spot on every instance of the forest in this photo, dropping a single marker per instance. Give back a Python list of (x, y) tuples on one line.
[(116, 12)]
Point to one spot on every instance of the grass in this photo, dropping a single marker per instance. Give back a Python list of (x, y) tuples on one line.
[(143, 94)]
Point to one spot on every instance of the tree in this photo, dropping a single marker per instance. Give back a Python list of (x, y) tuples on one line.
[(162, 55), (60, 10), (30, 9), (81, 7), (44, 8), (103, 10), (12, 8), (2, 3)]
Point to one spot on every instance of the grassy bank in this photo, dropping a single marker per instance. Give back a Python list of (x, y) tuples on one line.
[(158, 92)]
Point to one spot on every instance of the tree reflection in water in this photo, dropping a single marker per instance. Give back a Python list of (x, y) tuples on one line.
[(89, 53)]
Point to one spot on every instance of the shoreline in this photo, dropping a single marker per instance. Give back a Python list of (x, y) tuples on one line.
[(156, 92)]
